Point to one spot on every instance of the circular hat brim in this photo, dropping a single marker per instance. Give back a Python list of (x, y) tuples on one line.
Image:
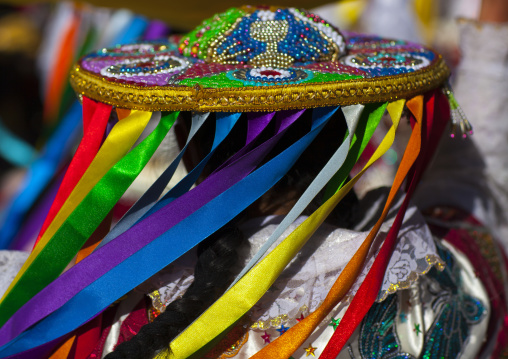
[(374, 70)]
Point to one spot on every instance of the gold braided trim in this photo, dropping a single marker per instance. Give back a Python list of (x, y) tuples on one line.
[(263, 98), (432, 261)]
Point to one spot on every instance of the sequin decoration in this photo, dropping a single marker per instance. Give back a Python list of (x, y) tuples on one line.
[(389, 63), (310, 350), (378, 338), (145, 66), (455, 311), (369, 42), (230, 345), (144, 48), (269, 75), (265, 37), (334, 323), (282, 329), (196, 43)]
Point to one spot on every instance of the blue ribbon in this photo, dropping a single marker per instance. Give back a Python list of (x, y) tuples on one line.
[(134, 30)]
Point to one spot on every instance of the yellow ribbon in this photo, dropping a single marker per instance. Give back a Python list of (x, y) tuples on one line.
[(244, 294), (121, 138)]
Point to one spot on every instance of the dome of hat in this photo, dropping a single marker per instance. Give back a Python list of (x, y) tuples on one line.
[(258, 59)]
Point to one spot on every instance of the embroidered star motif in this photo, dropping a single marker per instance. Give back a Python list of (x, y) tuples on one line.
[(301, 318), (335, 323), (282, 329), (403, 317), (266, 337), (417, 329), (310, 350)]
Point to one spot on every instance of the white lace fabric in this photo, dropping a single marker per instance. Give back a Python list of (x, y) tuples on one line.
[(305, 282)]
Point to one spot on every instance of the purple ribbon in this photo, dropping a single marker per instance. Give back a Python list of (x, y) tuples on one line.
[(256, 123)]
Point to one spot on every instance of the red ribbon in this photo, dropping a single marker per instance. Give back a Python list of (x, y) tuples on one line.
[(95, 119)]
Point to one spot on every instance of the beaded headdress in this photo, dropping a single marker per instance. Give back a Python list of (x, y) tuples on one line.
[(270, 63), (252, 59)]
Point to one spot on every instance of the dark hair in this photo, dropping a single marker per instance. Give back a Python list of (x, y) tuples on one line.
[(216, 257)]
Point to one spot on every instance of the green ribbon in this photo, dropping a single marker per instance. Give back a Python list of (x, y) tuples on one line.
[(370, 118), (83, 221)]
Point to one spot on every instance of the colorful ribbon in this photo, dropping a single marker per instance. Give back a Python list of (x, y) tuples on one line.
[(119, 141), (341, 164), (41, 171), (95, 119), (285, 345), (368, 291), (63, 62), (124, 271), (371, 117), (247, 291), (14, 149), (50, 259)]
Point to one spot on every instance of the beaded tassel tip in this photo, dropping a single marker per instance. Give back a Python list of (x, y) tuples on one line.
[(458, 117)]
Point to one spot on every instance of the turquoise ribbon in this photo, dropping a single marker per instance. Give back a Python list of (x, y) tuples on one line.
[(14, 149)]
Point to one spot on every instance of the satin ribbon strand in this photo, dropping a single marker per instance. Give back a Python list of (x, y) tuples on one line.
[(241, 297), (14, 149), (371, 117), (84, 220), (256, 123), (116, 261), (286, 345)]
